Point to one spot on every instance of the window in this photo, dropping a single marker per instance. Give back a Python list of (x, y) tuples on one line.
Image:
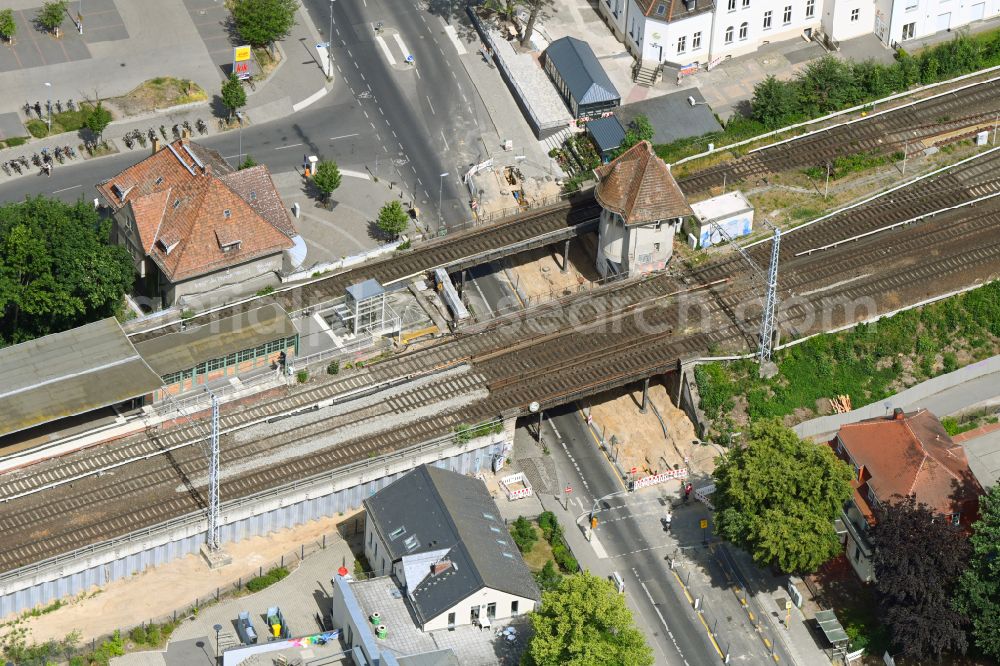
[(909, 30), (370, 535), (767, 19), (956, 518), (810, 8), (872, 497), (696, 41), (398, 532), (743, 30), (910, 6), (491, 610), (495, 529), (451, 620), (507, 555), (681, 44), (661, 10), (159, 180), (857, 552), (489, 516), (788, 14), (656, 247), (513, 608), (729, 35), (732, 5), (746, 3), (855, 14), (411, 543)]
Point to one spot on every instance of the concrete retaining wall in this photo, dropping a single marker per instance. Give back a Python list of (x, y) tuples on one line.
[(281, 508)]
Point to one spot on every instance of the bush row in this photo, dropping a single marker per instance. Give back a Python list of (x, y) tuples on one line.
[(258, 583)]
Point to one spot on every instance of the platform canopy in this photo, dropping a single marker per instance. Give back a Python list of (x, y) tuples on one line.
[(70, 373)]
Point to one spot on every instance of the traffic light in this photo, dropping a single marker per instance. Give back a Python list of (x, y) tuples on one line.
[(593, 522)]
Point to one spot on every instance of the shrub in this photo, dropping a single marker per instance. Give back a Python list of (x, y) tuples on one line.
[(524, 534), (258, 583), (264, 291), (333, 368), (138, 635), (547, 521), (302, 376)]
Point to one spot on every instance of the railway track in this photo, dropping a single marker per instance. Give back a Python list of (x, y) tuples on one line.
[(882, 134)]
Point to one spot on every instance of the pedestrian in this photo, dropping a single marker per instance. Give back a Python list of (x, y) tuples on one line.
[(687, 492), (48, 170), (668, 520)]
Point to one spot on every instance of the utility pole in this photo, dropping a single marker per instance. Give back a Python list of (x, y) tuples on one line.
[(826, 191), (770, 303), (440, 192), (213, 541)]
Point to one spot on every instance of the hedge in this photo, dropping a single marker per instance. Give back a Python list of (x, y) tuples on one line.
[(258, 583)]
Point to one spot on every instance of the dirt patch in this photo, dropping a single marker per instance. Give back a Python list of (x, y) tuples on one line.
[(159, 93), (175, 585), (540, 553), (639, 438), (538, 273)]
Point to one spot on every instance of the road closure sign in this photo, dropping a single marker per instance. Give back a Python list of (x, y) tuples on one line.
[(242, 57)]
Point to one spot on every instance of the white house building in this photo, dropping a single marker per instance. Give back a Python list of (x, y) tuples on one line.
[(682, 32), (440, 535)]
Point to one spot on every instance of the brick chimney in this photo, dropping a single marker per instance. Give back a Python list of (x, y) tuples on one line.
[(897, 414), (185, 135), (440, 567), (156, 144)]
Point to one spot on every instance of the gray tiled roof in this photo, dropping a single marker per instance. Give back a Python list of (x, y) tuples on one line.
[(69, 373), (671, 116), (441, 509), (580, 69)]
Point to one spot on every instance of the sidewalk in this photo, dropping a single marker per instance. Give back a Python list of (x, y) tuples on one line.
[(296, 82)]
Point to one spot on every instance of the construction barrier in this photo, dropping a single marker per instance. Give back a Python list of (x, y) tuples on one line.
[(519, 493), (660, 478)]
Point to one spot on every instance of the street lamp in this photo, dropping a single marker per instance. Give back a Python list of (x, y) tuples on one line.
[(217, 628), (48, 105), (536, 408), (239, 116), (329, 47), (441, 213)]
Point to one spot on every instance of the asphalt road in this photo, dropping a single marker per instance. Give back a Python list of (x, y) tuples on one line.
[(664, 617)]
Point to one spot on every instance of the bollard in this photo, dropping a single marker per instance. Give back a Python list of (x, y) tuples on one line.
[(697, 603), (324, 542), (302, 552)]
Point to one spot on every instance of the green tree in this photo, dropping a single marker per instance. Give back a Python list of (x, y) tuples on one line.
[(247, 162), (978, 595), (640, 129), (524, 534), (549, 577), (826, 85), (536, 8), (234, 96), (261, 22), (775, 103), (57, 270), (778, 496), (917, 563), (51, 15), (327, 177), (98, 120), (392, 219), (8, 28), (585, 621)]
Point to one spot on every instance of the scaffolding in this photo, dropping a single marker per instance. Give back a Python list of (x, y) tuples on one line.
[(366, 310)]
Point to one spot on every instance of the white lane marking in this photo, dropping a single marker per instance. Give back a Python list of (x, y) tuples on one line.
[(66, 189), (366, 114), (362, 76), (355, 174), (445, 141), (385, 49), (453, 36), (430, 105), (418, 73), (315, 97), (399, 42), (343, 136), (372, 124), (292, 145), (660, 615)]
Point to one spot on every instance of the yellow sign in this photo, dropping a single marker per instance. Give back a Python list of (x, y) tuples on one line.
[(788, 605), (704, 523), (241, 53)]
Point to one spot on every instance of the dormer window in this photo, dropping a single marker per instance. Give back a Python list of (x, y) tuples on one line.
[(117, 190), (227, 213), (177, 202), (165, 246), (159, 180)]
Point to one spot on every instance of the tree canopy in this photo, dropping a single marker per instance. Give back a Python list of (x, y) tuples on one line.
[(917, 562), (8, 28), (523, 533), (51, 14), (233, 95), (98, 120), (777, 497), (978, 596), (261, 22), (584, 621), (327, 177), (57, 270), (392, 219)]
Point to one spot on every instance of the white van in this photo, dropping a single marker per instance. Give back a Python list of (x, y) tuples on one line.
[(619, 582)]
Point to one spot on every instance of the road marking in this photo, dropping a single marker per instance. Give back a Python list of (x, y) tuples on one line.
[(372, 124), (355, 174), (430, 105), (453, 36), (418, 73), (445, 141), (349, 53), (362, 76), (660, 615), (293, 145), (385, 49), (394, 133), (366, 114), (381, 111), (598, 442), (66, 189), (399, 42), (315, 97), (343, 136)]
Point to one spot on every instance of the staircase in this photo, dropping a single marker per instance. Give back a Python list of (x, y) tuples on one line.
[(645, 75)]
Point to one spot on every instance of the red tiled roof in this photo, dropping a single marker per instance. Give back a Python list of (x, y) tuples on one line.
[(912, 455), (188, 204), (638, 186), (673, 10)]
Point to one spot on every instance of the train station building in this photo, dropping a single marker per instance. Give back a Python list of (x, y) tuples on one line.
[(240, 345)]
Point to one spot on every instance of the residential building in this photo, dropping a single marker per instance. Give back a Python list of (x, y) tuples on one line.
[(895, 457), (899, 21), (440, 535), (642, 210), (580, 78), (193, 224)]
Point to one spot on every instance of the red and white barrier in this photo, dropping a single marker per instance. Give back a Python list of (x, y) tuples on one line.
[(660, 478), (508, 481)]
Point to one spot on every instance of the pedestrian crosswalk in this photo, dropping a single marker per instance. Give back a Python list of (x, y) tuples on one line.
[(394, 50)]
